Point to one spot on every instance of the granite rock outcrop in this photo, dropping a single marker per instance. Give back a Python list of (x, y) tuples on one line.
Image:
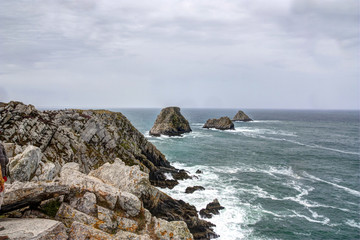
[(223, 123), (170, 122)]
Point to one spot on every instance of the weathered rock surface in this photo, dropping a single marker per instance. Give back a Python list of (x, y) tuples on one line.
[(211, 208), (34, 229), (223, 123), (22, 194), (80, 178), (24, 165), (170, 122), (193, 189), (241, 116), (90, 138)]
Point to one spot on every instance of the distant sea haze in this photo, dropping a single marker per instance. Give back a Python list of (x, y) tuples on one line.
[(290, 174)]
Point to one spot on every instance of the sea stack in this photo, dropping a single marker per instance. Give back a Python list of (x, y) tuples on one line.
[(241, 116), (223, 123), (170, 122)]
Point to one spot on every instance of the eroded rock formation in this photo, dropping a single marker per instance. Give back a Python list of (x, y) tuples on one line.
[(241, 116), (223, 123), (170, 122)]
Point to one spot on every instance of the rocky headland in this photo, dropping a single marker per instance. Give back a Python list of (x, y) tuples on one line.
[(170, 122), (89, 174), (223, 123), (241, 116)]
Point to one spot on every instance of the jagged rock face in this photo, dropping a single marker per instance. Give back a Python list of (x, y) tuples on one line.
[(223, 123), (211, 208), (241, 116), (89, 138), (170, 122)]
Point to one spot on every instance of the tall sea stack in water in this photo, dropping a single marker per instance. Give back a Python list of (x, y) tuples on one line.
[(170, 122), (241, 116)]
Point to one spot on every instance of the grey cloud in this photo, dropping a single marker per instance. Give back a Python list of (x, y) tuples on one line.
[(144, 51)]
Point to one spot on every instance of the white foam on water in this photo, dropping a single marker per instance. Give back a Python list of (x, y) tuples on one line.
[(232, 222), (325, 220), (351, 191), (352, 223)]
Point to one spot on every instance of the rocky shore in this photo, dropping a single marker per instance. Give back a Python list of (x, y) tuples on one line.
[(89, 174)]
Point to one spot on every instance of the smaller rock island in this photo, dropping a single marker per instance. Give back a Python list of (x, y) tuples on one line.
[(241, 116), (223, 123), (170, 122)]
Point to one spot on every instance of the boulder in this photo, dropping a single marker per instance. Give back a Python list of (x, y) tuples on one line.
[(198, 171), (241, 116), (111, 196), (33, 228), (23, 166), (170, 122), (193, 189), (223, 123)]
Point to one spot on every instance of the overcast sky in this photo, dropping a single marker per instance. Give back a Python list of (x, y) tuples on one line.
[(190, 53)]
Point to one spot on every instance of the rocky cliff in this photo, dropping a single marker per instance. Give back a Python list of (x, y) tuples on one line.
[(223, 123), (74, 152), (170, 122), (241, 116)]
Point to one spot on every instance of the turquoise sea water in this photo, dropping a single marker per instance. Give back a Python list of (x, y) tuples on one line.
[(287, 175)]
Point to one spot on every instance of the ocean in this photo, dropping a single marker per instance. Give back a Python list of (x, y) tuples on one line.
[(289, 174)]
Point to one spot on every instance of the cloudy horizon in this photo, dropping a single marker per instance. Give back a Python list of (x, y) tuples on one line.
[(294, 54)]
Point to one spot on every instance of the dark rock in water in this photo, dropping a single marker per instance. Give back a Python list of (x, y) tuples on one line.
[(214, 207), (198, 171), (170, 122), (193, 189), (159, 178), (241, 116), (211, 208), (204, 213), (222, 123)]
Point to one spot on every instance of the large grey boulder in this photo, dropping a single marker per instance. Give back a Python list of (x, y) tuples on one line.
[(23, 166), (170, 122), (241, 116), (110, 195), (33, 228), (223, 123)]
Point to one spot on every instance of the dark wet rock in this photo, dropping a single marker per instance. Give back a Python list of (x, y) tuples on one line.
[(204, 213), (211, 208), (198, 171), (193, 189), (170, 122), (241, 116), (223, 123)]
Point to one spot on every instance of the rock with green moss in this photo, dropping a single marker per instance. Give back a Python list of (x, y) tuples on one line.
[(241, 116), (170, 122)]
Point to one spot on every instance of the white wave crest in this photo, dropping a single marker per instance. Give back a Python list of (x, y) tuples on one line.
[(352, 223), (351, 191)]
